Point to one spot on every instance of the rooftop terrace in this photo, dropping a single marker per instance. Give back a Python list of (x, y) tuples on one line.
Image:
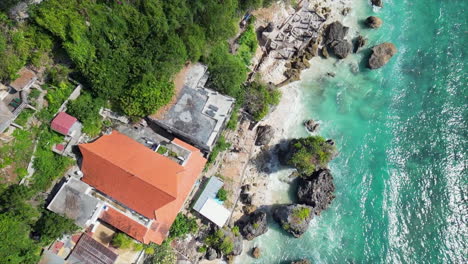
[(199, 114)]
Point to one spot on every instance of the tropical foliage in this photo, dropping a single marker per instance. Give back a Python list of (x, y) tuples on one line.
[(306, 154)]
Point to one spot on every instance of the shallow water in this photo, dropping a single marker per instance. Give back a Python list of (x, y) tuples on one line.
[(401, 176)]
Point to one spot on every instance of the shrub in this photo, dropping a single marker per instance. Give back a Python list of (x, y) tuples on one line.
[(202, 249), (221, 145), (235, 230), (162, 150), (232, 123), (121, 240), (222, 194), (182, 226)]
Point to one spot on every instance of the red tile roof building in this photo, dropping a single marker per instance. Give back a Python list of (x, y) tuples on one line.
[(142, 180), (63, 123)]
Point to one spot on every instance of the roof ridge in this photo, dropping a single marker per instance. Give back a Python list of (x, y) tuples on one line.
[(131, 173)]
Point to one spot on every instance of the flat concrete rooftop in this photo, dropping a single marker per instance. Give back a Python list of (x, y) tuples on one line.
[(199, 114)]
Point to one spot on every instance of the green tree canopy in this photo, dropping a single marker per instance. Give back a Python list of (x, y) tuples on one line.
[(16, 247), (306, 154), (52, 226)]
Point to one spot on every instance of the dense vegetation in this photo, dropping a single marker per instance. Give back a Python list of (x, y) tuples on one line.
[(220, 241), (86, 109), (126, 53), (307, 154), (19, 45), (259, 99), (182, 226), (19, 220)]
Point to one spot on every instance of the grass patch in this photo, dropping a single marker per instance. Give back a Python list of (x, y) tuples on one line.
[(301, 213)]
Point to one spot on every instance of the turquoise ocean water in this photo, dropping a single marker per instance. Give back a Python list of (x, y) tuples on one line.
[(401, 176)]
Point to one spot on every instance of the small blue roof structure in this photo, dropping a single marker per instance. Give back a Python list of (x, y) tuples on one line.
[(210, 191)]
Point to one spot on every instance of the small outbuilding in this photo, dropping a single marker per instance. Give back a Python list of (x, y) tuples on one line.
[(65, 124), (208, 206)]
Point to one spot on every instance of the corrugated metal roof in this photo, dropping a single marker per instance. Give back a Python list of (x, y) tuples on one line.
[(90, 251), (210, 191), (62, 123), (215, 212)]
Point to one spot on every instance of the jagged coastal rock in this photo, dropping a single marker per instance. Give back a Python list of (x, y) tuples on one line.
[(302, 261), (211, 254), (316, 190), (335, 40), (374, 22), (335, 32), (237, 242), (264, 135), (359, 42), (311, 125), (342, 48), (325, 53), (256, 253), (381, 54), (378, 3), (255, 226), (294, 218)]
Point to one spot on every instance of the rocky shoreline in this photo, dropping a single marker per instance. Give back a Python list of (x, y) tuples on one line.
[(315, 191)]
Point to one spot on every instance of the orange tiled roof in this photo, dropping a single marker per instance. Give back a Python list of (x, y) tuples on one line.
[(124, 223), (130, 173), (164, 215)]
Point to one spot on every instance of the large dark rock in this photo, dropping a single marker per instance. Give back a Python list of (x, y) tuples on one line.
[(374, 22), (381, 54), (294, 218), (302, 261), (311, 125), (316, 190), (341, 48), (256, 253), (255, 226), (245, 198), (264, 135), (211, 254), (359, 42), (335, 32), (378, 3)]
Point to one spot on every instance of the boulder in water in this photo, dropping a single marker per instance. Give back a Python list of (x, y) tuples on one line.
[(378, 3), (311, 125), (294, 218), (359, 42), (302, 261), (255, 226), (374, 22), (342, 48), (256, 253), (381, 54)]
